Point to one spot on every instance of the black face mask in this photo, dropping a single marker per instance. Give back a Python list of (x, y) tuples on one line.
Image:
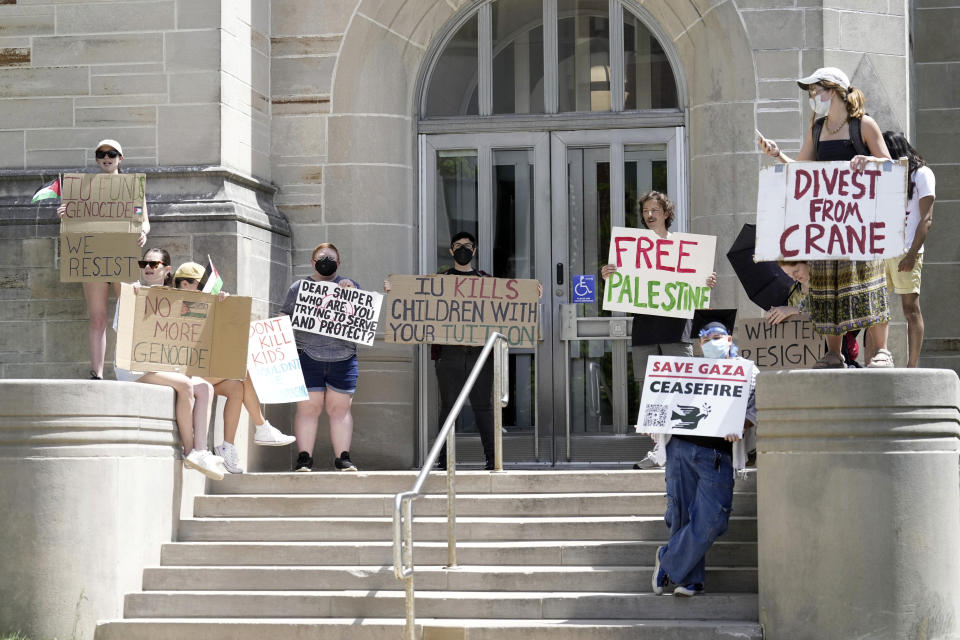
[(463, 256), (325, 266)]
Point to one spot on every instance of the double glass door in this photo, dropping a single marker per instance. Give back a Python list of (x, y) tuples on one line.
[(542, 206)]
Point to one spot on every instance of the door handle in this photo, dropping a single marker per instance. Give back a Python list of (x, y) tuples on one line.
[(559, 273)]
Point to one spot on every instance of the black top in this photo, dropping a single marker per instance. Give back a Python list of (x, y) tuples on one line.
[(659, 330), (835, 150)]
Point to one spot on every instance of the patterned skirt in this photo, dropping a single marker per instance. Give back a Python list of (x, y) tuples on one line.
[(846, 295)]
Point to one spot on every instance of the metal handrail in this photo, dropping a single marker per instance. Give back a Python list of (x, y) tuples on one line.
[(403, 502)]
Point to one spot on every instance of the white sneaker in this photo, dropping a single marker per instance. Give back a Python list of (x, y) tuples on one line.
[(268, 435), (205, 463), (230, 460)]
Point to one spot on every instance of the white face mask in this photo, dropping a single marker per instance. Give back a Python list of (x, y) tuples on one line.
[(718, 348), (820, 107)]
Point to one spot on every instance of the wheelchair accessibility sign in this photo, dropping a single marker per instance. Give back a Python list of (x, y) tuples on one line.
[(585, 288)]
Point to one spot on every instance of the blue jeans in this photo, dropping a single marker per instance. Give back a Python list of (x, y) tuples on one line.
[(699, 501)]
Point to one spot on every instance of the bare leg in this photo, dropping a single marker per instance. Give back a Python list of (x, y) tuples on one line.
[(252, 402), (185, 402), (305, 421), (834, 343), (876, 339), (232, 390), (341, 420), (203, 401), (911, 310), (97, 295)]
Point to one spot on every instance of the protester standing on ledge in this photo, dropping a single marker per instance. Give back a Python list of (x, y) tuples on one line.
[(903, 273), (843, 295), (329, 369), (109, 156)]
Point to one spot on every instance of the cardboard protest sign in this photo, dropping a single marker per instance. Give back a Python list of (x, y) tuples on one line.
[(90, 257), (162, 329), (792, 344), (822, 210), (658, 276), (100, 229), (328, 309), (273, 363), (462, 310), (695, 396)]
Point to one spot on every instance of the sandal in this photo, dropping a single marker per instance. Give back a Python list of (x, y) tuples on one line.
[(831, 360), (882, 358)]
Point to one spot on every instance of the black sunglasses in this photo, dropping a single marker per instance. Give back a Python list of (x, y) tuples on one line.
[(106, 154), (150, 263), (190, 280)]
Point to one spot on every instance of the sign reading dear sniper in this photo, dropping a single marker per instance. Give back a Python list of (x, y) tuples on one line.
[(825, 210), (328, 309), (791, 344), (273, 363), (695, 396), (462, 310), (104, 202), (658, 276)]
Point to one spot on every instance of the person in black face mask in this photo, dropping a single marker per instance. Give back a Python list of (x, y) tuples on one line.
[(330, 371)]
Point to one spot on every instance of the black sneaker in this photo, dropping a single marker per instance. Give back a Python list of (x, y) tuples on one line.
[(304, 462), (488, 465), (343, 462), (94, 376)]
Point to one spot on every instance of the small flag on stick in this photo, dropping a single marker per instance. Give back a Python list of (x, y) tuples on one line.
[(47, 191), (211, 282)]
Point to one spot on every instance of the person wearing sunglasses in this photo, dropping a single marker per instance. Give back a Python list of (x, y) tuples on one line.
[(194, 395), (109, 156), (238, 393)]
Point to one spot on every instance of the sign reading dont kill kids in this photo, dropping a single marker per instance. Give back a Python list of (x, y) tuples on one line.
[(328, 309), (100, 227), (273, 363), (658, 276), (695, 396), (825, 210)]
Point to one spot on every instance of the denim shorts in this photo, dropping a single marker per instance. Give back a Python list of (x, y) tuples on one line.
[(339, 376)]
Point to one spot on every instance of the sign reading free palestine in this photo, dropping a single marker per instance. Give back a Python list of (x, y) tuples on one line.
[(658, 276)]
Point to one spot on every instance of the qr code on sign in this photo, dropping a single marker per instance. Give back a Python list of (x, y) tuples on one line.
[(655, 415)]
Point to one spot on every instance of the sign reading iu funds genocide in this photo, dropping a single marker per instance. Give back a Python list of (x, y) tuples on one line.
[(163, 329), (658, 276), (792, 344), (328, 309), (100, 229), (273, 363), (695, 396), (823, 210), (464, 310)]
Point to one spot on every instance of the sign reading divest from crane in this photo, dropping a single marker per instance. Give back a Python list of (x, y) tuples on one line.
[(825, 210), (658, 276)]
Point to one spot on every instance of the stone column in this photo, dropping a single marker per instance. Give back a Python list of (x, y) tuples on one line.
[(859, 504), (91, 488)]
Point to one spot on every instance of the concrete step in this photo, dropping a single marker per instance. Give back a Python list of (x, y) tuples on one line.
[(428, 629), (440, 604), (554, 481), (434, 578), (519, 504), (529, 552)]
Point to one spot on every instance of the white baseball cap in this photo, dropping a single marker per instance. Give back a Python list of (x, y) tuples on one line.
[(830, 74), (109, 143)]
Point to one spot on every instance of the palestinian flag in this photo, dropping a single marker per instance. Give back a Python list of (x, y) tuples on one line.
[(211, 282), (47, 191)]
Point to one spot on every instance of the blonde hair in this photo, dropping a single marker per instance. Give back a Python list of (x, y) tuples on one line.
[(853, 99)]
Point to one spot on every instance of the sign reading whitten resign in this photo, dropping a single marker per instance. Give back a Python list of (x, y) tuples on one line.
[(824, 210), (328, 309), (792, 344), (658, 276), (162, 329), (273, 363), (695, 396), (100, 229), (462, 310)]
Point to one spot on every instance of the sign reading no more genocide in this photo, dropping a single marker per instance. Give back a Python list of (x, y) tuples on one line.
[(824, 210), (462, 310), (327, 309), (658, 276), (273, 363), (695, 396)]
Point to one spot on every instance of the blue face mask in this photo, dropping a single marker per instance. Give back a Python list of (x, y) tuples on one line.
[(717, 348)]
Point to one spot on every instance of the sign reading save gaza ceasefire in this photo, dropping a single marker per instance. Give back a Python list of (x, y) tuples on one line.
[(695, 396), (820, 210), (658, 276), (100, 229), (328, 309)]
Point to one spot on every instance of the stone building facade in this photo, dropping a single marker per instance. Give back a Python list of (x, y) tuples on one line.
[(267, 127)]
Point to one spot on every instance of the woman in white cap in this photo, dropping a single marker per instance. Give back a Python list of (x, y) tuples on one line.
[(844, 295), (109, 156)]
